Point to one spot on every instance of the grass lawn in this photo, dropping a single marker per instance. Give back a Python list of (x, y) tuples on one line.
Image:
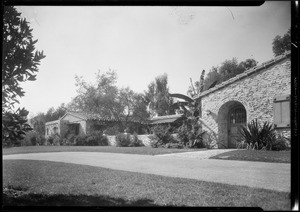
[(127, 150), (256, 155), (51, 183)]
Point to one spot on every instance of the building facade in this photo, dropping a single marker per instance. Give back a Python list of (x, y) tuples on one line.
[(261, 93)]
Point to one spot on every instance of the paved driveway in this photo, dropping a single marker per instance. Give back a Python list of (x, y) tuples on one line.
[(275, 176)]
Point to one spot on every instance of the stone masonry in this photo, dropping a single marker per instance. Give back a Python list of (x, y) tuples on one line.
[(254, 89)]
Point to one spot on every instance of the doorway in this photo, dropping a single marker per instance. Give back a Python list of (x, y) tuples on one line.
[(236, 120)]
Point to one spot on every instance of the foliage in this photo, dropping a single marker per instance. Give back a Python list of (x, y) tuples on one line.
[(69, 140), (135, 141), (113, 130), (100, 98), (282, 44), (280, 143), (14, 127), (190, 133), (93, 139), (33, 138), (211, 140), (256, 136), (20, 63), (107, 100), (158, 97), (227, 70), (161, 136), (38, 122), (135, 106), (54, 140), (123, 139)]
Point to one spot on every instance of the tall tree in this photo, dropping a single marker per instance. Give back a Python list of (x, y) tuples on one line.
[(158, 97), (38, 121), (134, 104), (20, 63), (282, 44), (227, 70), (101, 98)]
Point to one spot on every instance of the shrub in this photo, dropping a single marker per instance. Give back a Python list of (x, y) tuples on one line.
[(96, 139), (280, 143), (135, 141), (54, 140), (211, 140), (32, 138), (114, 130), (80, 140), (49, 140), (123, 139), (161, 136), (257, 137), (190, 134)]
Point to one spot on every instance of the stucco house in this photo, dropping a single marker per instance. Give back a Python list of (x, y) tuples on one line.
[(261, 93), (85, 123)]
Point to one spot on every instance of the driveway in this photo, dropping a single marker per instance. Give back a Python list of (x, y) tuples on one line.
[(274, 176)]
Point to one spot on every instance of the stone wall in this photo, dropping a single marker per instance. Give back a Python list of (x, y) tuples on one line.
[(255, 92), (144, 138)]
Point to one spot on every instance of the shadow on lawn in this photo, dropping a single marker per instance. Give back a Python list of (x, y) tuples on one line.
[(17, 198)]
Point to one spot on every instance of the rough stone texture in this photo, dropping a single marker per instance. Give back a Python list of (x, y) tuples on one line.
[(255, 92)]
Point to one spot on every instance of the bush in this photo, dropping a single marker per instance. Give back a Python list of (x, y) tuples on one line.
[(211, 140), (190, 134), (161, 136), (114, 130), (96, 139), (93, 139), (280, 143), (123, 139), (54, 140), (32, 138), (69, 140), (257, 137), (135, 141)]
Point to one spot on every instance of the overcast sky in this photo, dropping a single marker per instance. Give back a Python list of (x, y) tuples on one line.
[(141, 43)]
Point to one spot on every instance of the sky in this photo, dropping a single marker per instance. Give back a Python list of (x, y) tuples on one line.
[(141, 43)]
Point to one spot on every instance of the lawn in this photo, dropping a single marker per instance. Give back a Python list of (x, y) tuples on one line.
[(46, 183), (113, 149), (256, 155)]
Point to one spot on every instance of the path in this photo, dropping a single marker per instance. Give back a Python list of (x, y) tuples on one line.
[(275, 176)]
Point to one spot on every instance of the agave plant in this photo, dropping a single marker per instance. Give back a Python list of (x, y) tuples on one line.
[(258, 137)]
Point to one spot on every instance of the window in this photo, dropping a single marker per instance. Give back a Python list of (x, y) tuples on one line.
[(237, 115), (282, 111)]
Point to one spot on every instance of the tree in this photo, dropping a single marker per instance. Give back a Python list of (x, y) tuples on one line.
[(134, 104), (20, 63), (227, 70), (101, 98), (282, 44), (158, 97), (38, 122)]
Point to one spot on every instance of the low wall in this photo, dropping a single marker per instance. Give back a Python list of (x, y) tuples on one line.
[(144, 138)]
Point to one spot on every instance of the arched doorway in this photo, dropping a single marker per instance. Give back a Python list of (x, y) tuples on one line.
[(231, 116), (236, 120)]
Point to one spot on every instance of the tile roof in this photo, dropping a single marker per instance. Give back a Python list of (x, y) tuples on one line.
[(165, 119), (94, 116), (245, 74)]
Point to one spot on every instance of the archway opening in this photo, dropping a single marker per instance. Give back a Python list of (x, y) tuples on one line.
[(231, 117)]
